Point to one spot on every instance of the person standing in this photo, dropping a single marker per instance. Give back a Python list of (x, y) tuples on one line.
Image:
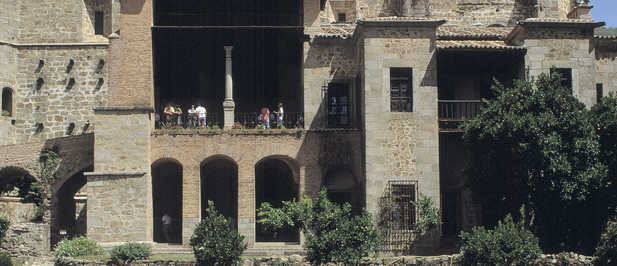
[(192, 113), (169, 113), (265, 113), (166, 222), (201, 115), (279, 115), (179, 114)]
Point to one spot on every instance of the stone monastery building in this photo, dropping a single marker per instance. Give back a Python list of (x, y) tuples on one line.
[(378, 86)]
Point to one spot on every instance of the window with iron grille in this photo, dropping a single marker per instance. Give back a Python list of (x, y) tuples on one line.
[(403, 215), (342, 18), (99, 18), (565, 75), (401, 90)]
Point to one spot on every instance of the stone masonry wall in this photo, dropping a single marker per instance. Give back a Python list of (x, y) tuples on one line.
[(49, 21), (119, 190), (564, 48), (56, 105), (606, 67), (459, 12), (9, 20), (314, 153), (325, 61), (130, 57), (27, 240), (400, 146)]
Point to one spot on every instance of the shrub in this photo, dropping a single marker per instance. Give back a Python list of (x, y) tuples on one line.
[(332, 233), (429, 216), (5, 259), (77, 247), (506, 244), (606, 252), (215, 242), (4, 226), (129, 252)]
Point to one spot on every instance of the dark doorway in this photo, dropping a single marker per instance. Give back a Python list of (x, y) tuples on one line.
[(342, 188), (274, 183), (453, 160), (189, 58), (219, 184), (70, 209), (167, 201)]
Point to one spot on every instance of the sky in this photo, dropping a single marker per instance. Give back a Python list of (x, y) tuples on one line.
[(605, 10)]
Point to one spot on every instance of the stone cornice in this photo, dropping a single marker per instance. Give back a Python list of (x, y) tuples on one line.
[(558, 23), (110, 174), (400, 22), (126, 109), (71, 44)]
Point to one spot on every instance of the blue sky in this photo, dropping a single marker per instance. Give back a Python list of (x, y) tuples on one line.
[(605, 10)]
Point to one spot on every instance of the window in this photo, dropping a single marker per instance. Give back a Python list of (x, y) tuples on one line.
[(565, 75), (7, 102), (401, 92), (342, 17), (99, 18), (599, 92), (322, 4), (402, 213), (339, 105)]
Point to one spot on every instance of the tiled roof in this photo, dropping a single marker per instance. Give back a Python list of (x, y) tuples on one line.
[(472, 33), (476, 45), (394, 18), (605, 37), (561, 22), (342, 31)]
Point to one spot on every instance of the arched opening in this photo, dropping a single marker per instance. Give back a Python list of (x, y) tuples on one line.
[(167, 201), (7, 102), (20, 196), (342, 187), (219, 184), (275, 183), (69, 209)]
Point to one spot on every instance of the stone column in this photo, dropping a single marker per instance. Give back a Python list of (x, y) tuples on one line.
[(228, 104)]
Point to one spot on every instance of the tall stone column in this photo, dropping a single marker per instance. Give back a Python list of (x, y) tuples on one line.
[(228, 104)]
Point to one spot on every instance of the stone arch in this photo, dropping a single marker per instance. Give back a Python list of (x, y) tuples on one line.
[(7, 101), (68, 207), (167, 200), (16, 190), (219, 184), (276, 180)]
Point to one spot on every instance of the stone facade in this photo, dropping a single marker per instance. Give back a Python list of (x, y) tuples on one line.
[(92, 97)]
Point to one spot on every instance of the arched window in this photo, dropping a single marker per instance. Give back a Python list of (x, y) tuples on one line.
[(7, 102)]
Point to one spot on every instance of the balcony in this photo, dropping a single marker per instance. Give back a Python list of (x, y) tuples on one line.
[(453, 112)]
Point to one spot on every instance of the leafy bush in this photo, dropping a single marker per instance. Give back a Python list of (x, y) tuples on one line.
[(534, 144), (428, 214), (5, 259), (606, 252), (215, 242), (509, 242), (4, 226), (332, 233), (126, 253), (77, 247)]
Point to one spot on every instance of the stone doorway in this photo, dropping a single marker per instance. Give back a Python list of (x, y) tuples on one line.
[(167, 200), (275, 183), (219, 184)]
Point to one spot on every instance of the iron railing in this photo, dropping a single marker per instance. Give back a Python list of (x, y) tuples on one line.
[(212, 118), (397, 216), (252, 119), (458, 110)]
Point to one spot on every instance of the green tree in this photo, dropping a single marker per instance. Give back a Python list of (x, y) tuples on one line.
[(533, 145), (214, 242), (604, 118), (333, 233)]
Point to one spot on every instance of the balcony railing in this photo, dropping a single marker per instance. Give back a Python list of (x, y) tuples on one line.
[(252, 119), (212, 119), (458, 110)]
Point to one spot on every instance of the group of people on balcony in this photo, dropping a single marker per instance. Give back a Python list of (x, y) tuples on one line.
[(265, 116), (195, 116)]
